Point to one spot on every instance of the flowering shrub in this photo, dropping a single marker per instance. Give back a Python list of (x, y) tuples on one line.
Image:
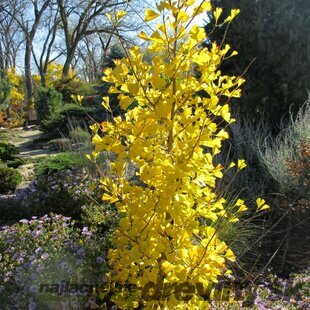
[(68, 193), (47, 251), (171, 134), (269, 291), (280, 293)]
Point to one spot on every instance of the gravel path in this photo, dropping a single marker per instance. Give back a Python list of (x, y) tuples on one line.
[(24, 142)]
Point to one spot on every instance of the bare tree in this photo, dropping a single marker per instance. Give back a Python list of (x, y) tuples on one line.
[(28, 15), (91, 53), (10, 42), (81, 19), (50, 26)]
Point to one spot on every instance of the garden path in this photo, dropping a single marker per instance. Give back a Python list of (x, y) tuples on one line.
[(23, 140), (24, 143)]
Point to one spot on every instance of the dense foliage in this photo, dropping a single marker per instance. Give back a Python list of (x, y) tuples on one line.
[(59, 121), (172, 216), (64, 192), (57, 163), (9, 179), (7, 151), (47, 102), (272, 39)]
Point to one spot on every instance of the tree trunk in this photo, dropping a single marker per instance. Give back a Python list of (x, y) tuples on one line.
[(66, 67), (28, 78), (43, 77), (1, 63)]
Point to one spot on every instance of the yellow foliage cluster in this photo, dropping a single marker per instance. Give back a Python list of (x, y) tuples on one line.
[(165, 132), (53, 74), (16, 93)]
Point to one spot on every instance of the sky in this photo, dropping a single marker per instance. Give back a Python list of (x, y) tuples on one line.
[(199, 20)]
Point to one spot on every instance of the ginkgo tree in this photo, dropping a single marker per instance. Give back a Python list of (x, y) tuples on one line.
[(171, 135)]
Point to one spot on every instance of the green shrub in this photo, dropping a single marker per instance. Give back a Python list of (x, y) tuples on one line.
[(47, 102), (74, 110), (15, 163), (289, 149), (9, 179), (68, 86), (287, 163), (7, 151), (58, 122), (12, 210), (57, 163), (87, 89)]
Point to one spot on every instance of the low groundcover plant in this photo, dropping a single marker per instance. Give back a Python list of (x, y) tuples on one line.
[(41, 255)]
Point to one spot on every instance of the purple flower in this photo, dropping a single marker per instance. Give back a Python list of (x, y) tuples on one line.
[(20, 260), (32, 289), (80, 252), (91, 300), (86, 232), (38, 250), (99, 260), (44, 256), (32, 304), (18, 282), (24, 221), (36, 233)]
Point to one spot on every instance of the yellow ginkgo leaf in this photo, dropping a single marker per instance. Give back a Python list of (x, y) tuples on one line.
[(217, 13), (108, 15), (261, 205), (242, 208), (150, 15), (120, 14), (230, 255), (106, 103), (232, 164), (233, 14), (189, 2), (204, 7), (239, 202), (107, 197), (142, 35), (241, 164)]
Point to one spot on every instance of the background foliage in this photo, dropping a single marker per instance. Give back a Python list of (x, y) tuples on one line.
[(272, 38)]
